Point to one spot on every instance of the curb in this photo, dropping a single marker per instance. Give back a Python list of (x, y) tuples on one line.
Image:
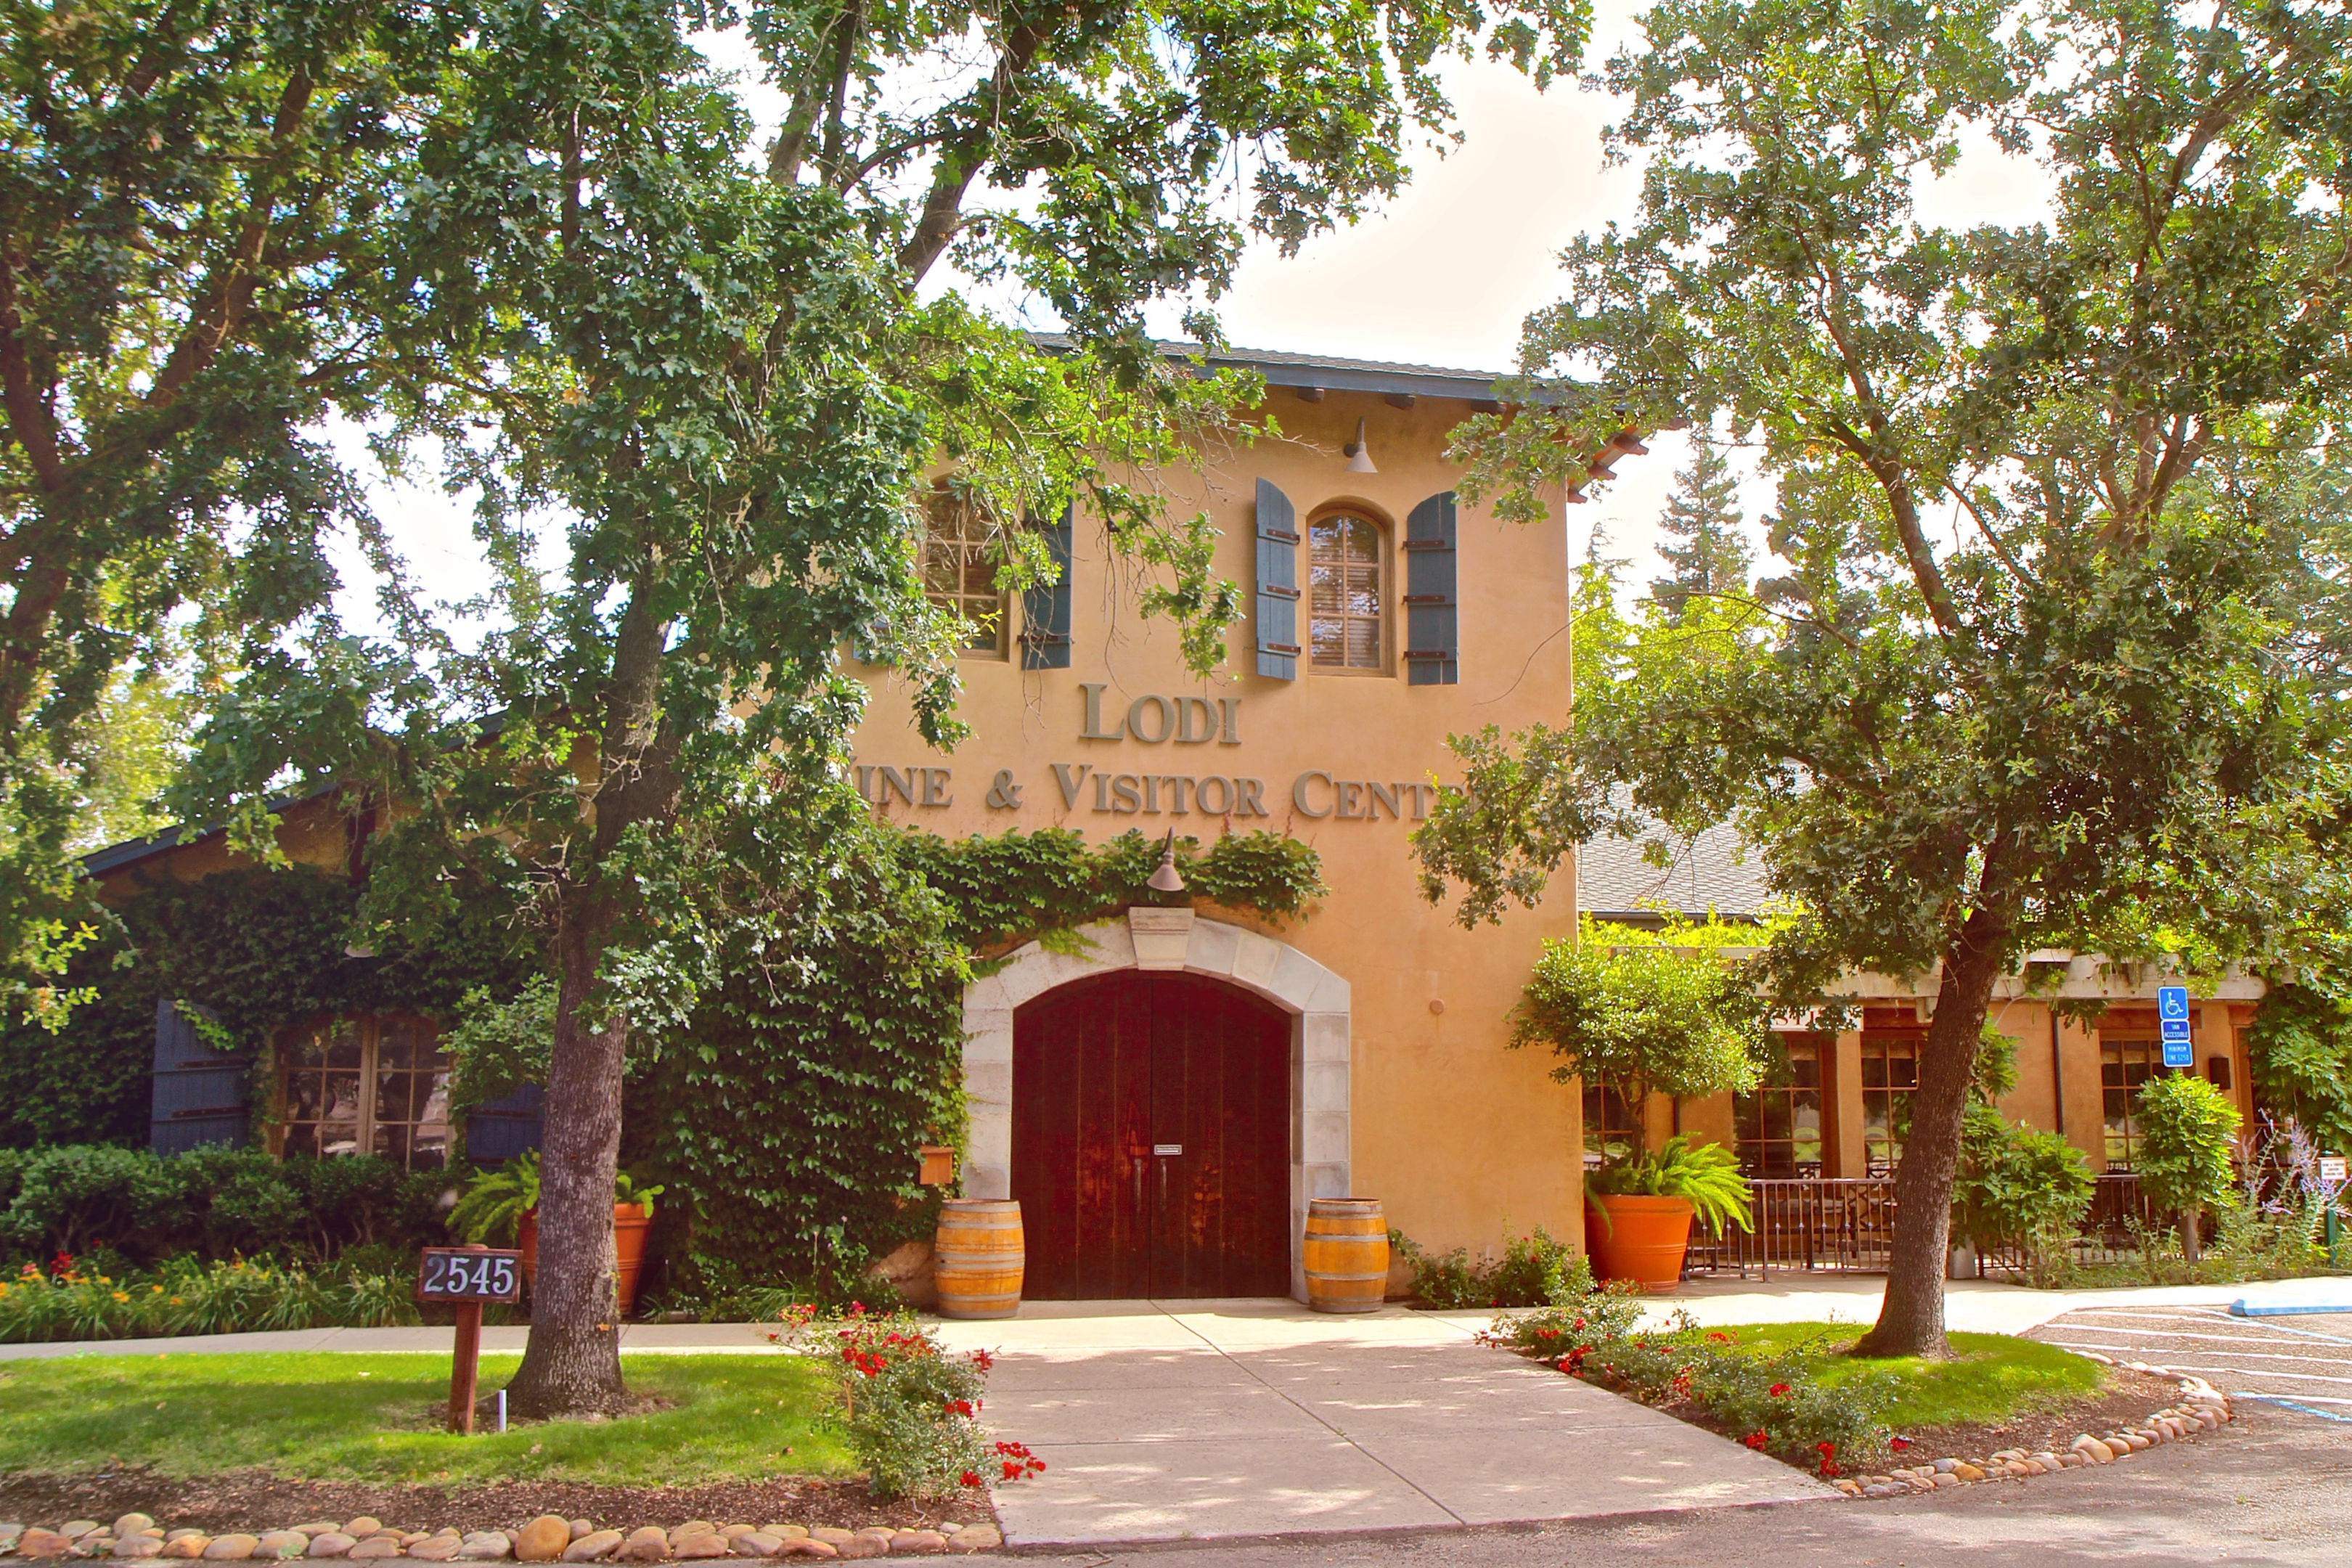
[(136, 1537)]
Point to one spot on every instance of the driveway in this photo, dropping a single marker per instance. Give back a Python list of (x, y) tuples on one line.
[(1197, 1419), (2302, 1364)]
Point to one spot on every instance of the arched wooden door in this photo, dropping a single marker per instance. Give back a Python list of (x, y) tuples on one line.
[(1152, 1139)]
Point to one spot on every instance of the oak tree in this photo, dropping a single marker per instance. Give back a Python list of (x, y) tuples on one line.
[(2026, 678), (613, 305)]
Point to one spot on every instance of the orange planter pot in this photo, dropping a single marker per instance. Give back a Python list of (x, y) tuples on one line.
[(1638, 1239), (630, 1223)]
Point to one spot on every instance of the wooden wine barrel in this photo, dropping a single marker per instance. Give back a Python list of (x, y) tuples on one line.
[(980, 1257), (1347, 1255)]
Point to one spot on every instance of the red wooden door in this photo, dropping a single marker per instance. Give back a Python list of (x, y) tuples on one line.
[(1151, 1139)]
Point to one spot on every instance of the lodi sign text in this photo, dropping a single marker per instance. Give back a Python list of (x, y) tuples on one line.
[(1176, 723)]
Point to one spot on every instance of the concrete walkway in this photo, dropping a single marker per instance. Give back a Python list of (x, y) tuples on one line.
[(1187, 1420)]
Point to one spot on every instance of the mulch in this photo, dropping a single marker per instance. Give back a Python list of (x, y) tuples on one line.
[(254, 1500), (2129, 1398)]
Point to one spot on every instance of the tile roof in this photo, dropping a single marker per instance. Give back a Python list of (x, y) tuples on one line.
[(1711, 871)]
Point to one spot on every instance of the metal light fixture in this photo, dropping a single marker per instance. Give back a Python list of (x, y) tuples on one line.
[(1167, 878), (1360, 453)]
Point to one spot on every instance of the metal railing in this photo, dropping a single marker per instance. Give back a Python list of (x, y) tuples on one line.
[(1846, 1225)]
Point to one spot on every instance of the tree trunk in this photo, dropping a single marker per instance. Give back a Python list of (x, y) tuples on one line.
[(1911, 1319), (2191, 1215), (572, 1362)]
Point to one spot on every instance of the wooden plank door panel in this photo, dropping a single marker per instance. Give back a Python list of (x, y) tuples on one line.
[(1221, 1091)]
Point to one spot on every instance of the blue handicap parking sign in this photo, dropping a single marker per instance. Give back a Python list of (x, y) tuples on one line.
[(2177, 1054), (2172, 1002)]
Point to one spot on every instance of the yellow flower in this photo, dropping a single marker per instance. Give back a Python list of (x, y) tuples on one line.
[(175, 1301), (104, 1280), (123, 1295), (157, 1288)]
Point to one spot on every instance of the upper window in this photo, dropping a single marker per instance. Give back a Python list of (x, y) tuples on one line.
[(1890, 1071), (1779, 1127), (959, 575), (368, 1085), (1344, 606), (2123, 1066)]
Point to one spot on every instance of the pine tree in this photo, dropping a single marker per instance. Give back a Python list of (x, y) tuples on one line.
[(1704, 513)]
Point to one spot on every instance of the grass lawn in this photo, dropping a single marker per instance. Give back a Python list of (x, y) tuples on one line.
[(1995, 1376), (372, 1417)]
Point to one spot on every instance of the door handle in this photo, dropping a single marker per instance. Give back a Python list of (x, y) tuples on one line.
[(1163, 1184), (1138, 1161)]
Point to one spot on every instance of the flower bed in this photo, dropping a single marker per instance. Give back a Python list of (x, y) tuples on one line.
[(911, 1409), (184, 1296)]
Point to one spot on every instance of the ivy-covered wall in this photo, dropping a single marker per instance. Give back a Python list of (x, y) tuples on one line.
[(256, 950)]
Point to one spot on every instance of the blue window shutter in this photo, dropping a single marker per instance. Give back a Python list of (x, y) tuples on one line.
[(1046, 608), (199, 1094), (1432, 637), (1278, 584), (507, 1127)]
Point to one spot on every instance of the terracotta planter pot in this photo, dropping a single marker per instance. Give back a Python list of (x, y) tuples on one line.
[(1638, 1239), (630, 1223)]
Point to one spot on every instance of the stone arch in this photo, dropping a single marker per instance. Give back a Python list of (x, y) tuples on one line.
[(1317, 1000)]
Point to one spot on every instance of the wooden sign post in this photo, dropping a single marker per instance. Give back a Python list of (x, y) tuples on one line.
[(466, 1276)]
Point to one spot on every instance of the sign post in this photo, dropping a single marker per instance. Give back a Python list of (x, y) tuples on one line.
[(465, 1276), (2172, 1019)]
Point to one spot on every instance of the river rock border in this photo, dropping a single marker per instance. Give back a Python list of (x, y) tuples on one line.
[(2202, 1408), (547, 1539)]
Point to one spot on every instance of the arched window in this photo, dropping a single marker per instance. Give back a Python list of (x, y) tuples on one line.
[(1347, 584), (958, 575)]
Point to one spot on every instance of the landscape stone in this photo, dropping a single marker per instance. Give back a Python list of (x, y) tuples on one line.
[(580, 1527), (1967, 1472), (181, 1544), (435, 1548), (596, 1544), (140, 1546), (485, 1546), (696, 1547), (373, 1546), (232, 1548), (39, 1542), (647, 1545), (833, 1534), (282, 1543), (363, 1527), (751, 1543), (331, 1543), (802, 1546), (692, 1527), (542, 1539), (320, 1527), (975, 1538), (785, 1532), (132, 1525), (918, 1544), (75, 1529), (861, 1545)]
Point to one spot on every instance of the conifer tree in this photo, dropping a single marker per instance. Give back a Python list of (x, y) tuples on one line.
[(1704, 514)]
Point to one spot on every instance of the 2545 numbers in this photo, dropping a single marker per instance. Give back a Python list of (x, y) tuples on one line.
[(454, 1274)]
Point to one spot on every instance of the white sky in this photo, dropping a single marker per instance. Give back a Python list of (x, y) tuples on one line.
[(1443, 276)]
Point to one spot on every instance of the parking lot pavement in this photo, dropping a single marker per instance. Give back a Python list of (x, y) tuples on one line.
[(2301, 1363)]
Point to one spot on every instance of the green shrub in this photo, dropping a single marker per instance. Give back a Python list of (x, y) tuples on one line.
[(186, 1295), (911, 1409), (2189, 1130), (1535, 1270), (2017, 1187), (212, 1203)]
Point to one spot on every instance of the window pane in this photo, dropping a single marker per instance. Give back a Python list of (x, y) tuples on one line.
[(1344, 588), (344, 1049)]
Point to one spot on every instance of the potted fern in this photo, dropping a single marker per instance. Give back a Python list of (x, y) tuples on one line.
[(1637, 1012), (502, 1207)]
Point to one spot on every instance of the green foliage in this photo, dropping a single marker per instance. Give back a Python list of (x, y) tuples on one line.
[(192, 191), (2189, 1130), (911, 1409), (1774, 1400), (1710, 553), (1644, 1011), (1705, 1175), (210, 1203), (2300, 1048), (1003, 889), (2020, 1188), (1534, 1271), (497, 1045), (187, 1296), (496, 1200), (2032, 667)]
